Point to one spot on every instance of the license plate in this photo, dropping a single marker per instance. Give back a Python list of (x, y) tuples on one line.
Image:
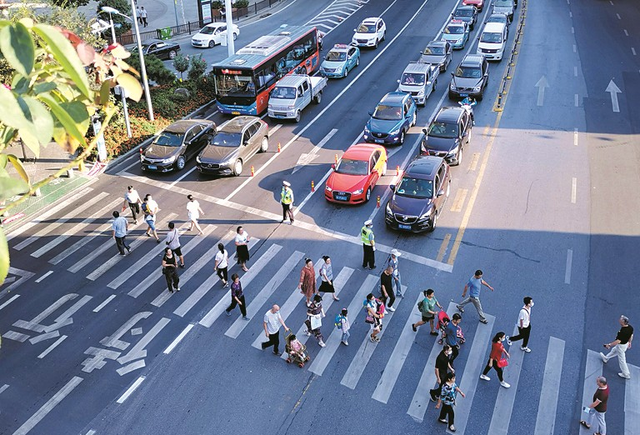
[(341, 197), (379, 140), (152, 167), (464, 95), (404, 227), (235, 113)]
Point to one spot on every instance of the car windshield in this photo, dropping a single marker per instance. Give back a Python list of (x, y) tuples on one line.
[(336, 56), (414, 79), (389, 113), (491, 37), (415, 187), (282, 93), (228, 85), (225, 139), (169, 139), (497, 18), (443, 129), (434, 50), (468, 72), (352, 167), (503, 4), (464, 13), (366, 28), (209, 30), (454, 30)]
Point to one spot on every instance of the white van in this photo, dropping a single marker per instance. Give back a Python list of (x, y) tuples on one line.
[(493, 40)]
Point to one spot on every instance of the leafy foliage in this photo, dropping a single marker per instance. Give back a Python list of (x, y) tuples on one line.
[(156, 70), (198, 67), (69, 4), (241, 4), (181, 64)]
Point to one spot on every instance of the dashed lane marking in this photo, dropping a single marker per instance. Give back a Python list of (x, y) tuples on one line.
[(443, 247)]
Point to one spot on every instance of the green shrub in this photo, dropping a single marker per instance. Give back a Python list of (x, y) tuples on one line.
[(156, 70), (181, 64), (198, 68), (241, 4), (216, 5)]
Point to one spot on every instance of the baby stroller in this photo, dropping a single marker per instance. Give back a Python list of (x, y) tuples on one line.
[(443, 319), (300, 357)]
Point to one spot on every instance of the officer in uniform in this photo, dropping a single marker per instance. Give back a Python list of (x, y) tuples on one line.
[(286, 199), (368, 245)]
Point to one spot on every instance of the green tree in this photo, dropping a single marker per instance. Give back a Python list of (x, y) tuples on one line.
[(181, 64), (156, 70), (198, 67), (51, 97), (69, 4), (123, 25)]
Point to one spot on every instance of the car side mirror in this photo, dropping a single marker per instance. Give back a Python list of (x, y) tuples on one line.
[(452, 74), (398, 80), (486, 74), (440, 193), (424, 130), (370, 113), (392, 187)]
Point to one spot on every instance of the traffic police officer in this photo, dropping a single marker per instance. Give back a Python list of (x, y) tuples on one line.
[(368, 245), (286, 199)]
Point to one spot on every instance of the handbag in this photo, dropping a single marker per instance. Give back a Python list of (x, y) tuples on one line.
[(316, 322), (502, 362), (369, 319)]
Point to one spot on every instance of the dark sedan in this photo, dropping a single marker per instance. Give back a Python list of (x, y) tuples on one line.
[(163, 50), (176, 144), (437, 53), (449, 133), (468, 14)]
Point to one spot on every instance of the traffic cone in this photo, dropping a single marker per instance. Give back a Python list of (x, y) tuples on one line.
[(279, 147), (336, 158), (397, 170), (378, 202), (253, 172)]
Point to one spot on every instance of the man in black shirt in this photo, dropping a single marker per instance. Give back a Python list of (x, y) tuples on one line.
[(386, 288), (619, 346), (443, 366)]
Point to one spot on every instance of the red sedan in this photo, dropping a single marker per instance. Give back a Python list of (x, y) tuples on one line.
[(479, 4), (356, 174)]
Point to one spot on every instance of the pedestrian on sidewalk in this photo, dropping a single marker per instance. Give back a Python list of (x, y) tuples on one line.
[(150, 210), (373, 308), (496, 359), (448, 399), (242, 248), (272, 321), (443, 368), (286, 200), (307, 284), (133, 201), (427, 309), (619, 347), (170, 270), (193, 213), (143, 16), (524, 325), (342, 323), (120, 228), (315, 313), (386, 289), (173, 241), (326, 274), (222, 264), (393, 262), (452, 332), (237, 297), (598, 407), (368, 245), (139, 14), (473, 287)]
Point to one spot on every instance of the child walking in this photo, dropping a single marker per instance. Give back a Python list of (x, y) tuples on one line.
[(342, 323)]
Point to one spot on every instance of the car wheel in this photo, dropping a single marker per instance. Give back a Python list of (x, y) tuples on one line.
[(180, 162), (297, 118), (448, 189), (367, 195), (376, 45), (384, 35), (402, 137), (318, 98), (346, 72), (212, 44), (434, 222), (264, 146), (237, 167), (172, 54), (384, 169), (235, 36), (435, 83), (414, 120), (459, 157), (357, 61)]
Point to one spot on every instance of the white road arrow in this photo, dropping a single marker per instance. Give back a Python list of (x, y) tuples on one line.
[(305, 159), (542, 83), (614, 91)]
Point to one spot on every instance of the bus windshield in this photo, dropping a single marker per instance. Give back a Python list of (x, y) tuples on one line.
[(234, 85)]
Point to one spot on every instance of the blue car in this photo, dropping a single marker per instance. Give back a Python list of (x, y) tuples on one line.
[(389, 123), (456, 33), (341, 59)]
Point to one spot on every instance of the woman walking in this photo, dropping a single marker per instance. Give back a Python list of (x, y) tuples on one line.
[(222, 264), (242, 248), (372, 306), (448, 400), (307, 285), (193, 213), (428, 311), (326, 273), (237, 297), (315, 313), (170, 270), (496, 360)]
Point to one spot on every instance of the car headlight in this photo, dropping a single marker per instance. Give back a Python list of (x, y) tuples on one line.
[(198, 159), (387, 209), (394, 132), (452, 86), (454, 151), (477, 88), (366, 130), (169, 159), (425, 216), (328, 189), (358, 192)]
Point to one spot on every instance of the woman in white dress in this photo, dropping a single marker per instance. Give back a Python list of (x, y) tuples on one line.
[(193, 213)]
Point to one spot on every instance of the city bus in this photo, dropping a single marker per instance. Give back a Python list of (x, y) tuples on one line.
[(244, 80)]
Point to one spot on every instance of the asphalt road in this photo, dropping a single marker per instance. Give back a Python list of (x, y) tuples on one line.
[(544, 203)]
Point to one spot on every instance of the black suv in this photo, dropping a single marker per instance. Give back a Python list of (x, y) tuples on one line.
[(448, 134), (419, 195), (466, 13), (470, 78)]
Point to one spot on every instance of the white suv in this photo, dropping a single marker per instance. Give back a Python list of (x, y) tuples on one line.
[(370, 32)]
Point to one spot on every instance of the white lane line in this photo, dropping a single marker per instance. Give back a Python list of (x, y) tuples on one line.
[(59, 222), (575, 48), (265, 293), (335, 100), (575, 137), (178, 339), (567, 272), (91, 432), (633, 50), (574, 189), (398, 356), (103, 304), (131, 389), (475, 362), (44, 276), (212, 115), (570, 14), (576, 100), (548, 405), (53, 346), (273, 130), (183, 176), (48, 406), (573, 30), (575, 71), (611, 2), (619, 17), (365, 352), (77, 228), (632, 402), (625, 32), (3, 388), (9, 301)]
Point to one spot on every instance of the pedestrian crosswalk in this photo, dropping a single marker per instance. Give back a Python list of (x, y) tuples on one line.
[(273, 278)]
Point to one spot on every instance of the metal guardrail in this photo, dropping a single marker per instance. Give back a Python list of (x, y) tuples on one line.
[(506, 79)]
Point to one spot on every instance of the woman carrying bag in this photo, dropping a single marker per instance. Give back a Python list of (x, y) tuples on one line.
[(496, 359)]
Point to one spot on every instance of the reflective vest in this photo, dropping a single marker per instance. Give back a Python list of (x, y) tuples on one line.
[(365, 233), (286, 197)]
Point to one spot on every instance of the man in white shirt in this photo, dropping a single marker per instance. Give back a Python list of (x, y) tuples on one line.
[(173, 241), (271, 323), (133, 201), (524, 325)]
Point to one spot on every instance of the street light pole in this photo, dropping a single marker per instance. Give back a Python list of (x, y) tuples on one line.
[(231, 50), (113, 28), (143, 69)]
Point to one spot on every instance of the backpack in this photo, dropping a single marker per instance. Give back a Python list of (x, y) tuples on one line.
[(145, 208), (338, 321), (421, 305)]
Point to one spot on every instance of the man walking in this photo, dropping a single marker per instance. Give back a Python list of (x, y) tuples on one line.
[(443, 368), (598, 407), (386, 289), (120, 227), (143, 16), (619, 346), (272, 321), (133, 201), (286, 199), (473, 287), (368, 245), (524, 325), (173, 241), (452, 335)]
